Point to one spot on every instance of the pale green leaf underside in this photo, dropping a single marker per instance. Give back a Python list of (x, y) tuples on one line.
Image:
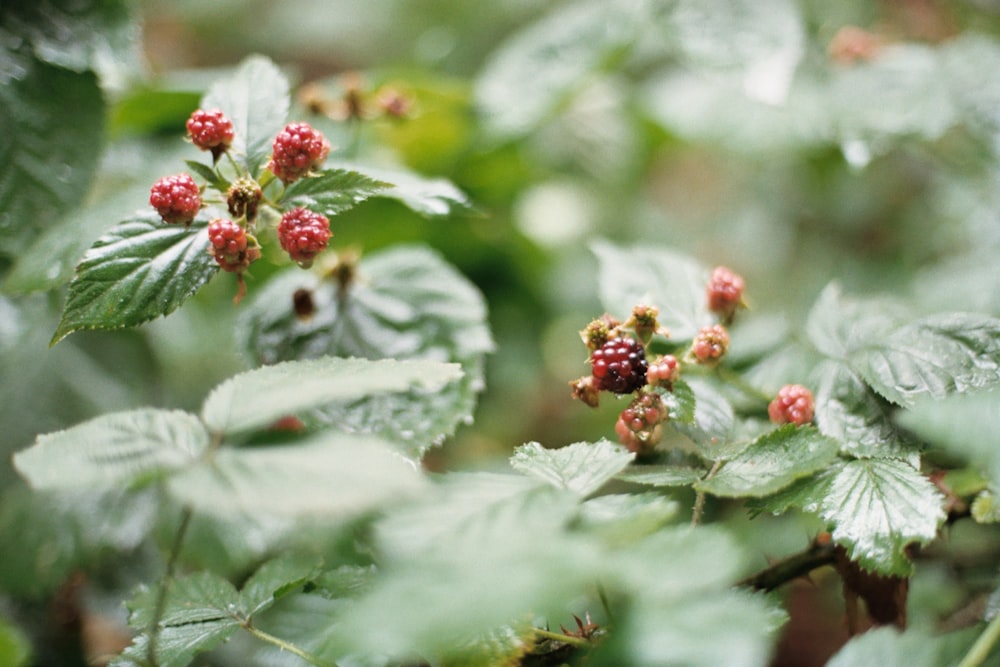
[(582, 467), (139, 270), (256, 99), (259, 397), (772, 462), (113, 450), (335, 474)]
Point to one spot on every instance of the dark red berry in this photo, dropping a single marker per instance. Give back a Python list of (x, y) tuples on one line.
[(243, 197), (639, 427), (710, 345), (229, 245), (303, 234), (724, 292), (296, 151), (176, 198), (794, 404), (619, 366), (211, 131)]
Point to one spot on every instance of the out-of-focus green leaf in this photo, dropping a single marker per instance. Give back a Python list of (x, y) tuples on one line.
[(256, 99), (333, 475), (876, 507), (538, 69), (661, 475), (967, 425), (140, 270), (936, 355), (259, 397), (50, 159), (333, 191), (582, 467), (888, 647), (985, 508), (772, 462), (659, 277), (626, 517), (150, 111), (114, 449), (838, 324), (15, 649), (848, 411), (404, 303)]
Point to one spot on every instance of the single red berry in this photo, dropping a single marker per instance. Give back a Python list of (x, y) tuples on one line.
[(303, 234), (230, 246), (710, 345), (243, 197), (663, 371), (619, 366), (794, 404), (176, 198), (724, 292), (296, 151), (639, 426), (211, 131)]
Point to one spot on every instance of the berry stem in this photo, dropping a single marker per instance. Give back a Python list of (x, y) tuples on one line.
[(984, 645), (286, 646), (699, 499), (559, 637), (168, 576)]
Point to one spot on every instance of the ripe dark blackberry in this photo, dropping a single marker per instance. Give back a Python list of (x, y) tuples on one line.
[(176, 198), (794, 404), (229, 245), (211, 131), (724, 292), (303, 234), (296, 151), (619, 366)]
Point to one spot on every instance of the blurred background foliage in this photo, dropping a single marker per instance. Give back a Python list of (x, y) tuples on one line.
[(796, 141)]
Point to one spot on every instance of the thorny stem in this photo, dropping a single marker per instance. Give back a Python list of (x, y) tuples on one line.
[(286, 646), (168, 575), (984, 644), (579, 642), (699, 499), (785, 570)]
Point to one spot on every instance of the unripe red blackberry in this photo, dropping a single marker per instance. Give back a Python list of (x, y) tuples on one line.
[(724, 292), (619, 366), (176, 198), (296, 151), (639, 427), (710, 345), (794, 404), (229, 245), (243, 198), (303, 234), (663, 371), (211, 130)]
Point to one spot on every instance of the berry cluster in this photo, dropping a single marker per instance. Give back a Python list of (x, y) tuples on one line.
[(794, 404), (710, 345), (724, 292), (640, 425), (619, 366), (297, 151)]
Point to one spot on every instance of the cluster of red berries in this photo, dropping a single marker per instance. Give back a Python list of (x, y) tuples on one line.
[(296, 152), (794, 404)]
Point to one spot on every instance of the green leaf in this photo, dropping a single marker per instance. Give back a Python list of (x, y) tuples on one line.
[(966, 425), (50, 160), (405, 303), (661, 475), (256, 99), (772, 462), (257, 398), (936, 355), (622, 518), (848, 411), (657, 277), (713, 421), (15, 649), (429, 197), (275, 579), (839, 325), (200, 612), (333, 191), (985, 508), (876, 507), (138, 271), (887, 647), (681, 402), (537, 70), (331, 475), (582, 467), (113, 449), (208, 175)]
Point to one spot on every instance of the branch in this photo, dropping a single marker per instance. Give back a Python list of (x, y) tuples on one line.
[(821, 552)]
